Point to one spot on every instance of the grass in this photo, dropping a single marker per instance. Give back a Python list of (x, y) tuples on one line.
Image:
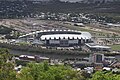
[(115, 47), (23, 43)]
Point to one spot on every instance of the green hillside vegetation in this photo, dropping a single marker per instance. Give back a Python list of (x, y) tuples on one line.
[(43, 71), (104, 75), (6, 66)]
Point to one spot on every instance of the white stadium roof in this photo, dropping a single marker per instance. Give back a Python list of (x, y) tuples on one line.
[(61, 36), (67, 36)]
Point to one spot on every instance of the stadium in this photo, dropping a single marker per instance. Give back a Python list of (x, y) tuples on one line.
[(57, 38)]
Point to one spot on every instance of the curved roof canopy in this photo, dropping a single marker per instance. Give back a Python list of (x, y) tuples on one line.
[(66, 36), (60, 34)]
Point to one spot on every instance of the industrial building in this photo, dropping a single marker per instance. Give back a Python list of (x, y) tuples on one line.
[(97, 47), (96, 58)]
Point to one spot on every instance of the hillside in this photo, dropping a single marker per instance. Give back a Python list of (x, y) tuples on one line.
[(19, 9)]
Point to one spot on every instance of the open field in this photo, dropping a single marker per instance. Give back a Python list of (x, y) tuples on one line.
[(96, 31)]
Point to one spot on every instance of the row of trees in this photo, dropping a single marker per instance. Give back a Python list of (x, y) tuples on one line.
[(43, 71)]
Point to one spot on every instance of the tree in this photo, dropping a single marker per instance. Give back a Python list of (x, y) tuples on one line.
[(104, 75), (6, 66), (43, 71)]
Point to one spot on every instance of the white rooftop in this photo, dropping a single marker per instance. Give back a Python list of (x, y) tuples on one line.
[(22, 56), (93, 45), (110, 24), (66, 36)]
